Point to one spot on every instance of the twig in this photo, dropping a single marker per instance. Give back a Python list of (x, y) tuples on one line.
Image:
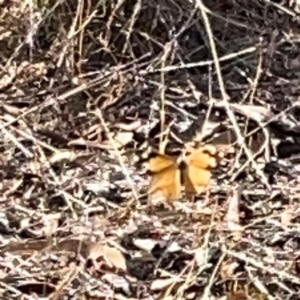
[(240, 138), (118, 154)]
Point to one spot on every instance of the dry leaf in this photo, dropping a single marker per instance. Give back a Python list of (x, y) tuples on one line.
[(123, 138), (117, 282), (201, 257), (163, 283), (149, 244), (62, 155), (12, 110), (81, 142), (145, 244), (112, 256), (120, 140), (133, 126), (254, 112)]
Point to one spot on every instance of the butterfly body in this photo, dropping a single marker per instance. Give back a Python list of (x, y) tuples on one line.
[(191, 170)]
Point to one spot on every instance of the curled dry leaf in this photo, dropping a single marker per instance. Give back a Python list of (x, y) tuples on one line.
[(62, 155), (81, 142), (254, 112), (70, 156), (112, 256), (12, 110), (133, 126), (149, 244), (163, 283), (145, 244)]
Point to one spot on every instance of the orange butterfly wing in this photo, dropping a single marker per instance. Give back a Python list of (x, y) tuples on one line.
[(203, 158), (165, 181), (196, 175), (160, 162)]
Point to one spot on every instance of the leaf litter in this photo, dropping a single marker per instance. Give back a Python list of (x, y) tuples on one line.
[(82, 89)]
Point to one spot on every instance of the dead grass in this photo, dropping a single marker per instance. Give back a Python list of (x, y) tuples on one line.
[(86, 86)]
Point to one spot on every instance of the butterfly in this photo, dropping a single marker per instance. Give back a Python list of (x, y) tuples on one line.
[(191, 169)]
